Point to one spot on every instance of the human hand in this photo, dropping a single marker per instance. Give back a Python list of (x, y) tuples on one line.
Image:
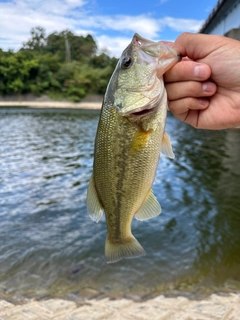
[(204, 88)]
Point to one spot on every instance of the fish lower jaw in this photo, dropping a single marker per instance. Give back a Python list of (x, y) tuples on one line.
[(145, 110)]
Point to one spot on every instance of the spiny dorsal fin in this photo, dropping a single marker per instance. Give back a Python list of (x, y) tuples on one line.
[(149, 209), (94, 206), (167, 147)]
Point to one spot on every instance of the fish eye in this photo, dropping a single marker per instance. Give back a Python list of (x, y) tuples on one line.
[(126, 62)]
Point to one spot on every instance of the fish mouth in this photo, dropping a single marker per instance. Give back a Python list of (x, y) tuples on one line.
[(146, 109)]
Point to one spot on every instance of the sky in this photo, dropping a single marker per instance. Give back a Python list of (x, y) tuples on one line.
[(111, 23)]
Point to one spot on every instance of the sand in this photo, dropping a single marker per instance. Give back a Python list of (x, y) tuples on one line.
[(216, 306), (52, 104)]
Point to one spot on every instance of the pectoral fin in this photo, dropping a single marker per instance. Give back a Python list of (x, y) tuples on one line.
[(94, 206), (167, 147), (150, 208)]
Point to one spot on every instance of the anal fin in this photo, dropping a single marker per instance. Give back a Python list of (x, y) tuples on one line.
[(149, 209)]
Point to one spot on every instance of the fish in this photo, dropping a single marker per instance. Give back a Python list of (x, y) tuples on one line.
[(129, 139)]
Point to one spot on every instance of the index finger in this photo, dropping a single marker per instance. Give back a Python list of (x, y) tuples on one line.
[(188, 70)]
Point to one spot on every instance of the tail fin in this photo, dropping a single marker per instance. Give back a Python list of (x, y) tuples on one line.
[(117, 251)]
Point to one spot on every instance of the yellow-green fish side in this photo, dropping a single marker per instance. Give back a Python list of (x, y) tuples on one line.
[(126, 169), (125, 164), (128, 143)]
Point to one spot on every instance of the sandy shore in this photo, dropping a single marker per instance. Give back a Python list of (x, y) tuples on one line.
[(225, 307), (52, 104)]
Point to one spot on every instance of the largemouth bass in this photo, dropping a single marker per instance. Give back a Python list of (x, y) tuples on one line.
[(130, 136)]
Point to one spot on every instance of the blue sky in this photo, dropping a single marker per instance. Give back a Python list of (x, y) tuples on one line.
[(111, 23)]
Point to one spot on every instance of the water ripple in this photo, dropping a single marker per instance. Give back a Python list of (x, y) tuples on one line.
[(50, 246)]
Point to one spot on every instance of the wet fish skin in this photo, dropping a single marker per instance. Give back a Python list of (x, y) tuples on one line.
[(130, 136)]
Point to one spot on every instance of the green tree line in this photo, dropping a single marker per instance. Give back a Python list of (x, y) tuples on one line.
[(61, 65)]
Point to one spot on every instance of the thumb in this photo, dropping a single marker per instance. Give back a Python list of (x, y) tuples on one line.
[(197, 46)]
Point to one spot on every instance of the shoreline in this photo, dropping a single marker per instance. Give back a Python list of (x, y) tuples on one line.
[(51, 105), (216, 306)]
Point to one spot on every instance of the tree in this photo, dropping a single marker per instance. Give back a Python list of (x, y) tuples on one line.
[(67, 44), (15, 71), (61, 65), (102, 61), (37, 41)]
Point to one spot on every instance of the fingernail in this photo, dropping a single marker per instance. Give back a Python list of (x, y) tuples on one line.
[(208, 87), (203, 102), (199, 71)]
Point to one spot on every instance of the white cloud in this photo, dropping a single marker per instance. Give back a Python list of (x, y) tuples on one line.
[(145, 25), (75, 3), (114, 46), (17, 17), (181, 25)]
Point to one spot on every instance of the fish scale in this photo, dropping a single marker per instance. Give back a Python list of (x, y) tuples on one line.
[(130, 136)]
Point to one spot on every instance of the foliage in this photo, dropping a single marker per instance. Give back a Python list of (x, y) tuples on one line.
[(37, 41), (16, 70), (61, 64)]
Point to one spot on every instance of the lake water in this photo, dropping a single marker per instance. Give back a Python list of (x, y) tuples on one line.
[(50, 247)]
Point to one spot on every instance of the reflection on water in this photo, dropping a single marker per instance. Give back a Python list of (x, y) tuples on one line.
[(49, 245)]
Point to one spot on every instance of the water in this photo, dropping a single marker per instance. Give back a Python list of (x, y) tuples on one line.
[(50, 247)]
